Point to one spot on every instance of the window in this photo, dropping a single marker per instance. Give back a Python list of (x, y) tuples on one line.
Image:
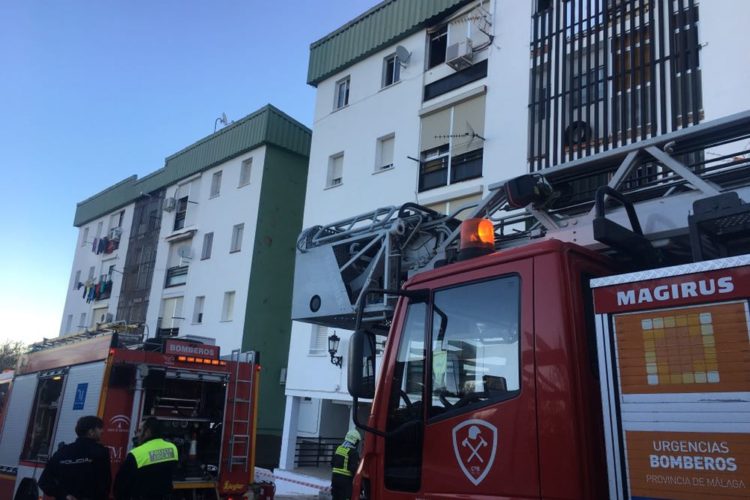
[(198, 310), (76, 280), (91, 273), (43, 418), (208, 241), (176, 276), (99, 226), (632, 67), (478, 359), (342, 94), (85, 237), (171, 316), (384, 153), (69, 323), (588, 88), (115, 220), (456, 80), (542, 5), (236, 244), (180, 213), (452, 144), (178, 260), (438, 43), (335, 170), (403, 456), (391, 70), (82, 321), (227, 308), (245, 170), (215, 184), (318, 340)]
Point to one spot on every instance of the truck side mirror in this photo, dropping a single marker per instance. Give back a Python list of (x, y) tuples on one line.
[(361, 375)]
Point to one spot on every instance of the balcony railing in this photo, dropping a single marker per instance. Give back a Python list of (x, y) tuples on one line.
[(315, 451)]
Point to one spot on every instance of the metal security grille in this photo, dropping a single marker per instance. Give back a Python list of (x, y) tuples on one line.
[(606, 73), (140, 259)]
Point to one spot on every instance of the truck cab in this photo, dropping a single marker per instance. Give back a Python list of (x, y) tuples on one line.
[(490, 381)]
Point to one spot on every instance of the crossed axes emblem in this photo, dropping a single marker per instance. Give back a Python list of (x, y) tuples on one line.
[(474, 433)]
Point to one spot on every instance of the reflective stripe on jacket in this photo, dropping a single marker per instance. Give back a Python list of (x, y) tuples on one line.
[(339, 467), (153, 452)]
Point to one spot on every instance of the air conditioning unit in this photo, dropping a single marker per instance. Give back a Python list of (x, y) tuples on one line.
[(169, 204), (115, 233), (336, 181), (458, 55)]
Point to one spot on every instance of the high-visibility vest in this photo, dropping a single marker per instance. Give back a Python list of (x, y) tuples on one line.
[(343, 451), (154, 451)]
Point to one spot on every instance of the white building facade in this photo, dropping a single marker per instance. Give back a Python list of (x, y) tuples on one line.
[(96, 277), (204, 254), (434, 102), (203, 249)]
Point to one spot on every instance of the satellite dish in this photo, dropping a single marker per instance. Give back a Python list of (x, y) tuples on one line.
[(403, 55), (224, 119)]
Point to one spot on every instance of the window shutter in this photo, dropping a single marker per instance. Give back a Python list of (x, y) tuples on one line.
[(435, 129), (468, 119)]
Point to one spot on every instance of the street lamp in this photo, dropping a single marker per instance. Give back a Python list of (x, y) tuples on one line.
[(333, 347)]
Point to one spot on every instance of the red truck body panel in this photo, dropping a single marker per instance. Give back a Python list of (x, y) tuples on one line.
[(546, 440)]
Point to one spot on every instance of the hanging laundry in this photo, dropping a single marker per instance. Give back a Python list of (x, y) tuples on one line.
[(106, 289), (110, 246), (95, 245)]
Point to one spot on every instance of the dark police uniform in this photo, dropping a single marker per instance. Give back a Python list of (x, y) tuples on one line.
[(81, 469), (147, 471)]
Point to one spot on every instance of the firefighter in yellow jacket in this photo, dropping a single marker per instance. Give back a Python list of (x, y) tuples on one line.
[(345, 462), (147, 471)]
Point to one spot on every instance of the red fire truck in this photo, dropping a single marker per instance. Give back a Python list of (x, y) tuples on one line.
[(206, 404), (583, 334)]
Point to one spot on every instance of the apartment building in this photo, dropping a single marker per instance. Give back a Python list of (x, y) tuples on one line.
[(206, 249), (433, 102)]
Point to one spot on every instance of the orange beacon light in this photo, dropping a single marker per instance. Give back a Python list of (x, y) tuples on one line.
[(477, 238)]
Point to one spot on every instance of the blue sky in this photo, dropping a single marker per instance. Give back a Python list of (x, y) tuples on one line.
[(93, 92)]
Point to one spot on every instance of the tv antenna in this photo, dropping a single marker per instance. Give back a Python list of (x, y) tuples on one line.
[(222, 119)]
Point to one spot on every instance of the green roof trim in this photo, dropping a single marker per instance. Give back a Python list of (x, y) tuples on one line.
[(383, 25), (267, 126)]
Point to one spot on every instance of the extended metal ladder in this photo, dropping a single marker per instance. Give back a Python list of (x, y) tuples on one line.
[(241, 423), (659, 179)]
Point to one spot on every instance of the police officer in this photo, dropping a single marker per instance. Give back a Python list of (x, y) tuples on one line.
[(147, 471), (345, 462), (80, 470)]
